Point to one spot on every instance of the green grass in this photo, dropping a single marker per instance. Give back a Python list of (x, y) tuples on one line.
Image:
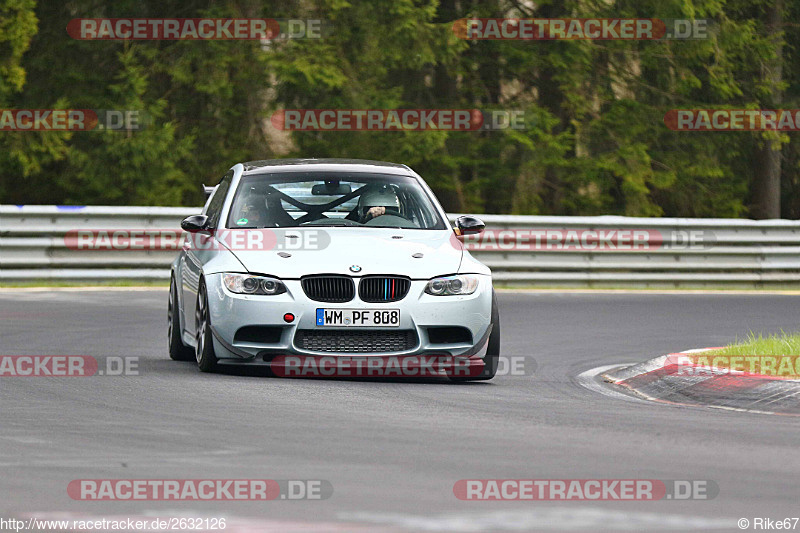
[(756, 344), (774, 355)]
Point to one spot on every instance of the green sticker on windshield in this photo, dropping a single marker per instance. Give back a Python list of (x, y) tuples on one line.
[(241, 222)]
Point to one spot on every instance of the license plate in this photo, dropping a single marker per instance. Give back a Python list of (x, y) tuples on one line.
[(359, 317)]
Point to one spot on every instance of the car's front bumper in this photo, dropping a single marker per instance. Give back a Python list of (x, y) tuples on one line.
[(419, 313)]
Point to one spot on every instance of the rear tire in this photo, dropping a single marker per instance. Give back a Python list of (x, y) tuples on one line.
[(206, 358), (177, 350)]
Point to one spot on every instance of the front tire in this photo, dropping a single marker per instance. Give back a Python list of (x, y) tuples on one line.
[(177, 350), (206, 358), (492, 357)]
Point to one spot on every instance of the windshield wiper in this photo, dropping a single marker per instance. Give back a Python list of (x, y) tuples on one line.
[(330, 225)]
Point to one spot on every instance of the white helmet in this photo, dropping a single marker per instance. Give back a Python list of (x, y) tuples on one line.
[(375, 196)]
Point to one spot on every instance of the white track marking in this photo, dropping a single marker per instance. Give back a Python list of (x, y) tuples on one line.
[(588, 380)]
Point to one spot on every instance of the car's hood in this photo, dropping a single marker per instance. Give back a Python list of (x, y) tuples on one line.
[(419, 254)]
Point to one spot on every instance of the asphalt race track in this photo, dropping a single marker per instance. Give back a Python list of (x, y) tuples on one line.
[(393, 450)]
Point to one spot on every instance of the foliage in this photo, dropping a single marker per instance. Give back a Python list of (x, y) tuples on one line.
[(594, 140)]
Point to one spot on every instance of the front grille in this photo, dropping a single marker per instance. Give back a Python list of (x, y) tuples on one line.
[(356, 341), (336, 289), (383, 288)]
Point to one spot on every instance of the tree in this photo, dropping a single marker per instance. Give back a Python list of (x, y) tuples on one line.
[(594, 141)]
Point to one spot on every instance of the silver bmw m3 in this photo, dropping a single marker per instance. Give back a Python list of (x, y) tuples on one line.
[(302, 261)]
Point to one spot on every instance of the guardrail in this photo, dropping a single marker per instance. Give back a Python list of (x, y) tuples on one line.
[(520, 250)]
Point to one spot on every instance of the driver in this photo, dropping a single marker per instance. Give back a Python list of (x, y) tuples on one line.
[(252, 214), (377, 201)]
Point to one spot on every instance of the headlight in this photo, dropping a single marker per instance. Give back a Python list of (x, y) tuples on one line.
[(452, 285), (246, 284)]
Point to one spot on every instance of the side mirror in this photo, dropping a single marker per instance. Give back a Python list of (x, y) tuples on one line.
[(468, 225), (195, 223)]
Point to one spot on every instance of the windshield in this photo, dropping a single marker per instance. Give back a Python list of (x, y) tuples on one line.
[(357, 199)]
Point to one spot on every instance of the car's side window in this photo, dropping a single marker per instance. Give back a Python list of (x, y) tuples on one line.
[(218, 199)]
